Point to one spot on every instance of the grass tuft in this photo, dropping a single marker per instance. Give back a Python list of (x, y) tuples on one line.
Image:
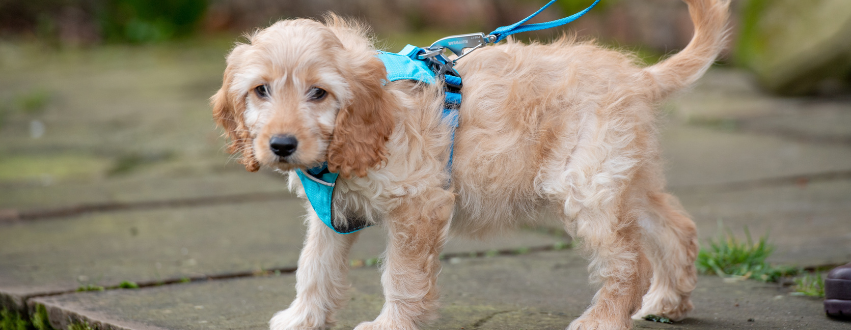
[(727, 256), (811, 285), (128, 285)]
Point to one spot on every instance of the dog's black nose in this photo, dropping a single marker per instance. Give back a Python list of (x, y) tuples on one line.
[(283, 145)]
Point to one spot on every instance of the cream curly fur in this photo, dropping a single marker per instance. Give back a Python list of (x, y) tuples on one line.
[(565, 127)]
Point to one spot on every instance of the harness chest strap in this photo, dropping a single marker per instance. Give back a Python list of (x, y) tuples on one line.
[(319, 183)]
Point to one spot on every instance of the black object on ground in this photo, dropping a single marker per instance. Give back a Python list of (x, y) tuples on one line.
[(837, 292)]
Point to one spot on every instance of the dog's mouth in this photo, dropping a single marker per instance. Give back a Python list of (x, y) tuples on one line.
[(291, 163), (284, 163)]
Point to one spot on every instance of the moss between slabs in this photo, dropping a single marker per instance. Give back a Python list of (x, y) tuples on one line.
[(14, 320)]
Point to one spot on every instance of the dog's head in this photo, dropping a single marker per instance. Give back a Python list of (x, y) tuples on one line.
[(301, 92)]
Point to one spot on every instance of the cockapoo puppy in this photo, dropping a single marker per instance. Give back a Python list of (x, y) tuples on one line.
[(563, 127)]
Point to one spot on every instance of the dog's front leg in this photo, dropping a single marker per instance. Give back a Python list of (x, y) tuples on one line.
[(418, 230), (321, 282)]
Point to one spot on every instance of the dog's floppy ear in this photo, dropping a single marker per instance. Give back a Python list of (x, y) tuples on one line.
[(365, 123), (228, 110)]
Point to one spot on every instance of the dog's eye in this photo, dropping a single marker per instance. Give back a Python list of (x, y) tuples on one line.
[(316, 94), (262, 91)]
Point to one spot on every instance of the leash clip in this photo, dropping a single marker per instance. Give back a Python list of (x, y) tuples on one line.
[(457, 44)]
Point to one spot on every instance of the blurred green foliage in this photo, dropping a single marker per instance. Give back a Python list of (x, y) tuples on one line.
[(575, 6), (33, 102), (133, 21), (749, 43), (142, 21)]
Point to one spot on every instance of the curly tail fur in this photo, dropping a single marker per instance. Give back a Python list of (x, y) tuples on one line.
[(684, 68)]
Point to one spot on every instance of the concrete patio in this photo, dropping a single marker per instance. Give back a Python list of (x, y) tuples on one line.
[(127, 181)]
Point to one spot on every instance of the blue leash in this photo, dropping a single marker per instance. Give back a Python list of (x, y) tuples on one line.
[(505, 31), (458, 43)]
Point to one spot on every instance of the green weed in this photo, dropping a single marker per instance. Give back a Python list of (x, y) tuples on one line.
[(372, 261), (660, 319), (128, 285), (90, 287), (11, 320), (811, 285), (80, 326), (40, 320), (33, 102), (728, 256)]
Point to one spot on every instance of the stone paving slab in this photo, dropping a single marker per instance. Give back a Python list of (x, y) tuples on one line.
[(817, 121), (104, 249), (537, 291), (226, 181), (730, 95), (725, 94), (108, 118), (809, 223), (697, 156)]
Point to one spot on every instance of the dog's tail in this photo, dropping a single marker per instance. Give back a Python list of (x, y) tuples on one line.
[(684, 68)]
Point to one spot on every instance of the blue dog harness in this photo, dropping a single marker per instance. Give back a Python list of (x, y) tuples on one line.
[(427, 66), (319, 183)]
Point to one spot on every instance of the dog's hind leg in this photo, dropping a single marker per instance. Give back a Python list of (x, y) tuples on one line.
[(418, 229), (596, 192), (321, 282), (670, 239), (612, 238)]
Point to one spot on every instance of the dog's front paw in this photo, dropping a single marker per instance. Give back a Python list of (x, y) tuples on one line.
[(295, 318), (670, 306), (593, 323), (383, 325)]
